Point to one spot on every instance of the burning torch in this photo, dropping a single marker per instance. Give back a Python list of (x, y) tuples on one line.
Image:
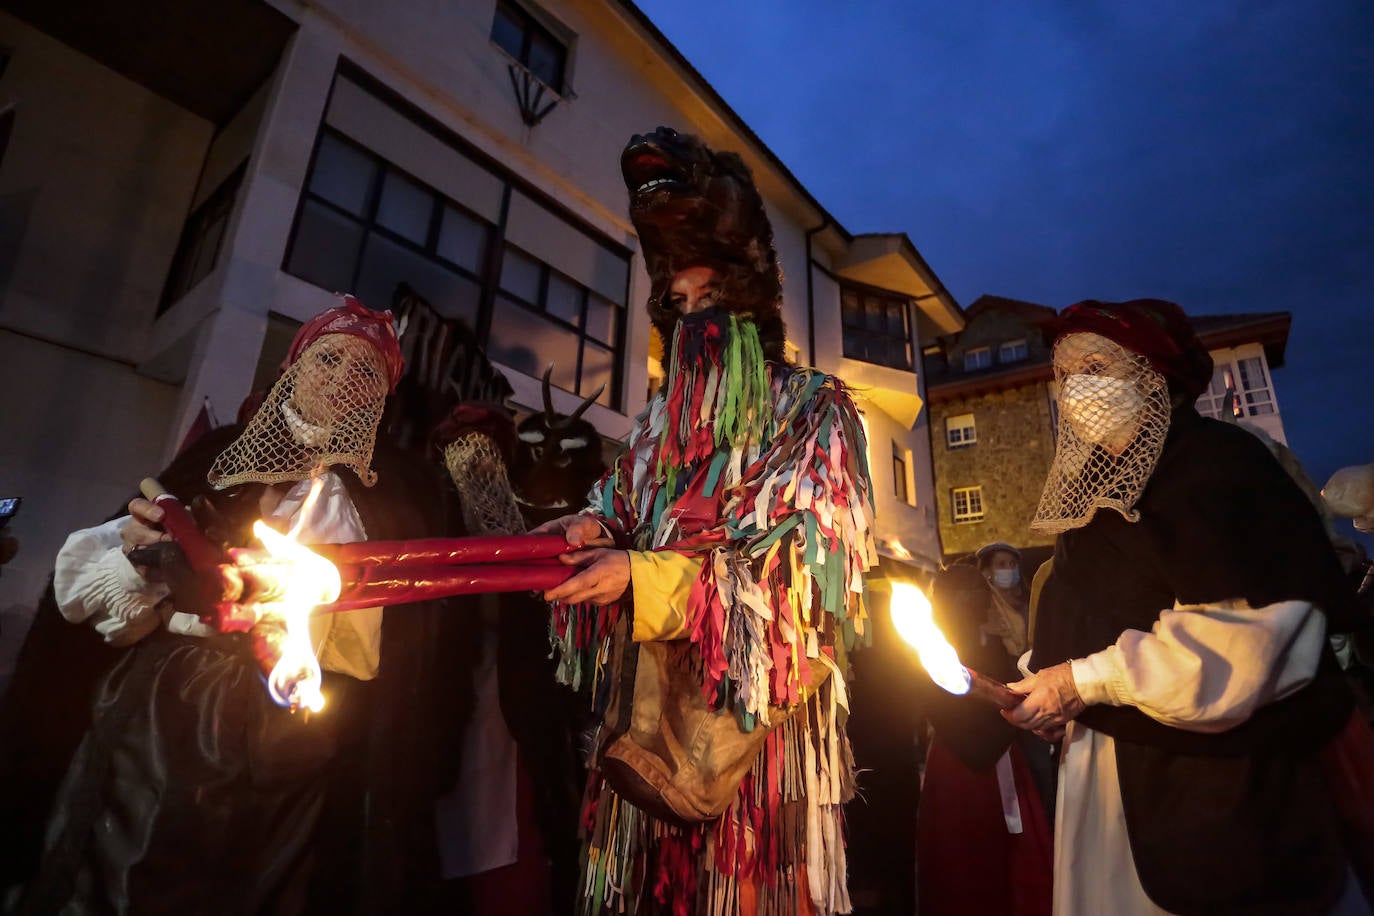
[(270, 592), (278, 629), (915, 623)]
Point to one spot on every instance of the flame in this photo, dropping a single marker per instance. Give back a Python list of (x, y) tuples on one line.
[(915, 623), (313, 580)]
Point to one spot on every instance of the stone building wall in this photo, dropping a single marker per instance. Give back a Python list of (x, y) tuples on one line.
[(1010, 460)]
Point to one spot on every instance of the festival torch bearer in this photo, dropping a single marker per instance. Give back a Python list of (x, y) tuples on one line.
[(915, 623)]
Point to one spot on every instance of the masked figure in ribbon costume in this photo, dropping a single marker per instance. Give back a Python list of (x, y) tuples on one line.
[(713, 627), (1180, 646), (191, 791)]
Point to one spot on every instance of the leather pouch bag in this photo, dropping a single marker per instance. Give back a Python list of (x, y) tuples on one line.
[(679, 759)]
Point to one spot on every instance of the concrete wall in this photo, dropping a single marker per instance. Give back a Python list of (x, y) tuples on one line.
[(79, 433), (1010, 460), (927, 536), (908, 530), (620, 87), (463, 83), (95, 186), (94, 189), (218, 328)]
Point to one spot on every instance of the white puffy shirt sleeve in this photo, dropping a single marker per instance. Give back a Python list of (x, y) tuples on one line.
[(1207, 668), (95, 583)]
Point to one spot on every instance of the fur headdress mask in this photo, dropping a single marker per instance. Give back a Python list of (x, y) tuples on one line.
[(694, 207)]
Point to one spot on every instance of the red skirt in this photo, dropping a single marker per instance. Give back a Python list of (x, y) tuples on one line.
[(967, 861), (1348, 762)]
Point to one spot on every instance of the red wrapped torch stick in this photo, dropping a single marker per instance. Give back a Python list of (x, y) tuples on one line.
[(374, 573), (447, 551), (388, 585), (993, 691), (260, 591), (205, 559)]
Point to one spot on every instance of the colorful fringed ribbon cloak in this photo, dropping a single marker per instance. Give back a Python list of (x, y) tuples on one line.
[(759, 470)]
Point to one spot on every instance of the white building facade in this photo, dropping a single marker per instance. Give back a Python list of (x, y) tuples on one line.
[(177, 194)]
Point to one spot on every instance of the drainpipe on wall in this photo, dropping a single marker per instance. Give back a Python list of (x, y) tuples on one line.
[(811, 294)]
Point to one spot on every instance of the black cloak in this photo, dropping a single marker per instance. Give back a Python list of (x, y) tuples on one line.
[(191, 792), (1236, 822)]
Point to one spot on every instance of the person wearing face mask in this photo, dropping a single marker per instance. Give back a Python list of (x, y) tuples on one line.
[(1209, 757), (1006, 624), (1000, 566)]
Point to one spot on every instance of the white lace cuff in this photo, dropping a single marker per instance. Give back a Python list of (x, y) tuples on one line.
[(94, 582)]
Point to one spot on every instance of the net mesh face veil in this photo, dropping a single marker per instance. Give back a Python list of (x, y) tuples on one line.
[(1114, 413), (479, 473), (323, 411)]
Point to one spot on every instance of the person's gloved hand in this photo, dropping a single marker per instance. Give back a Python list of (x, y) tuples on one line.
[(166, 562)]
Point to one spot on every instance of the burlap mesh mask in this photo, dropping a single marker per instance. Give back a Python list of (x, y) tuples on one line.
[(323, 411), (478, 470), (1113, 416)]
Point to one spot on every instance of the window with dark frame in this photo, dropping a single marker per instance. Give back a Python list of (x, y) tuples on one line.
[(961, 431), (517, 32), (201, 239), (977, 358), (539, 311), (1012, 351), (876, 327), (899, 473), (365, 226), (1256, 394)]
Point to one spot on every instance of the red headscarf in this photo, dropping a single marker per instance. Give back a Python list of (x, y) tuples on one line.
[(357, 319), (1157, 330)]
